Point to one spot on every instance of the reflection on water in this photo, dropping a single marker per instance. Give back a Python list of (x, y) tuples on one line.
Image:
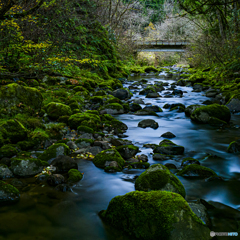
[(44, 213)]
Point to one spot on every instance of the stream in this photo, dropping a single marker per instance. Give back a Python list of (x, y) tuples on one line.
[(46, 214)]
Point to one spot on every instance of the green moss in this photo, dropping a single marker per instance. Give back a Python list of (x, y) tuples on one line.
[(156, 178), (85, 129), (74, 175), (38, 135), (119, 148), (8, 188), (150, 69), (116, 106), (51, 152), (8, 151), (108, 155), (148, 215), (188, 159), (113, 100), (140, 165), (63, 119), (201, 170), (55, 110), (146, 112)]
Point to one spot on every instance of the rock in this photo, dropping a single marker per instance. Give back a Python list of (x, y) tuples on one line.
[(169, 148), (153, 95), (103, 144), (14, 95), (18, 183), (201, 211), (234, 105), (145, 113), (42, 178), (148, 123), (159, 157), (206, 114), (134, 107), (54, 151), (138, 101), (155, 215), (111, 166), (158, 177), (140, 165), (121, 94), (112, 108), (119, 142), (84, 143), (94, 150), (8, 193), (177, 92), (55, 179), (147, 90), (63, 188), (74, 175), (211, 93), (195, 170), (27, 167), (176, 106), (127, 151), (8, 151), (197, 88), (189, 161), (170, 166), (64, 163), (234, 147), (86, 136), (6, 161), (152, 108), (190, 109), (5, 172), (72, 145), (142, 158), (168, 135), (13, 130), (108, 156), (56, 110)]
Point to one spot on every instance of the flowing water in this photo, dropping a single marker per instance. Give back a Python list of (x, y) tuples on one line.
[(43, 213)]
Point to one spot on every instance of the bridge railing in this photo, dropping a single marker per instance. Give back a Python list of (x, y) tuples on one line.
[(161, 42)]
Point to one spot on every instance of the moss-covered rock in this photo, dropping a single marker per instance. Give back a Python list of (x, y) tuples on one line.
[(54, 151), (13, 130), (8, 193), (140, 165), (56, 110), (143, 112), (112, 108), (169, 148), (13, 95), (127, 151), (5, 172), (155, 215), (158, 177), (147, 90), (8, 151), (188, 161), (85, 129), (84, 119), (84, 142), (103, 158), (195, 170), (234, 147), (74, 175), (27, 167), (205, 113), (190, 109)]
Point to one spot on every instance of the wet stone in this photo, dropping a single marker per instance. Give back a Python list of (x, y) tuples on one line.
[(55, 179), (168, 135), (148, 123)]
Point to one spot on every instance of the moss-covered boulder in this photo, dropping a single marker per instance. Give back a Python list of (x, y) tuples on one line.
[(155, 215), (148, 123), (145, 113), (64, 163), (127, 151), (56, 110), (188, 161), (74, 175), (13, 130), (104, 158), (147, 90), (14, 95), (54, 151), (205, 114), (190, 109), (234, 147), (8, 151), (158, 177), (195, 170), (112, 108), (5, 172), (27, 167), (85, 119), (169, 148), (8, 193)]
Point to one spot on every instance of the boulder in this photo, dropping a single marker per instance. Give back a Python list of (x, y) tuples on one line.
[(74, 175), (154, 215), (112, 108), (197, 88), (84, 142), (121, 94), (148, 123), (5, 172), (93, 150), (134, 107), (56, 110), (159, 157), (27, 167), (189, 161), (190, 109), (234, 105), (13, 96), (8, 193), (127, 151), (234, 147), (153, 108), (153, 95), (168, 135), (206, 114), (138, 101), (169, 148), (177, 92), (64, 163), (55, 179), (145, 113), (195, 170), (108, 156), (158, 177), (147, 90)]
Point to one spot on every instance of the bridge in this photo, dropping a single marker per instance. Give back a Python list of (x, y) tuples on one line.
[(161, 45)]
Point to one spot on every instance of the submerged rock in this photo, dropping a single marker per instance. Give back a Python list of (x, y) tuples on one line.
[(168, 135), (158, 177), (135, 107), (155, 215), (8, 193), (127, 151), (153, 108), (234, 105), (145, 113), (148, 123), (189, 161), (190, 109), (169, 148), (153, 95), (64, 163), (55, 179), (234, 147)]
